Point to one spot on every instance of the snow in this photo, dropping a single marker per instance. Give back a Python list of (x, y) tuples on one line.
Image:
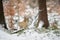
[(40, 24), (29, 35), (33, 34)]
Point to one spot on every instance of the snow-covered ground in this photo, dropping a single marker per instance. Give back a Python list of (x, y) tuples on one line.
[(35, 34), (29, 35)]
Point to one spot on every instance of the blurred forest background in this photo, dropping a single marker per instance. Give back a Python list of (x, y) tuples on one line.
[(48, 7)]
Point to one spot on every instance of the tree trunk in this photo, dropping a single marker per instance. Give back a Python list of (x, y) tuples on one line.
[(59, 2), (43, 13), (2, 19)]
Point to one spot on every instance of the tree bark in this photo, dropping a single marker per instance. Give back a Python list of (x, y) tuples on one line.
[(2, 19), (59, 2), (43, 13)]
